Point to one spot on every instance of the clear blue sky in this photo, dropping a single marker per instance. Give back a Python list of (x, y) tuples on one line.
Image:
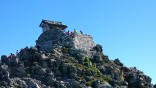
[(125, 28)]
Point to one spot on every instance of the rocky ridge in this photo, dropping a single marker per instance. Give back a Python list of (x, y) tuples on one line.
[(68, 62)]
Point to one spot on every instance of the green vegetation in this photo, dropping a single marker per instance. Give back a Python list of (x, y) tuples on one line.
[(97, 75)]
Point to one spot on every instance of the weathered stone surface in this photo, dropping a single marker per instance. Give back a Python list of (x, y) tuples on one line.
[(79, 42), (47, 40), (106, 85), (83, 42), (98, 48), (97, 57)]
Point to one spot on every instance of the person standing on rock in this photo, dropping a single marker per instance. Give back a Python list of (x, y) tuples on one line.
[(75, 32), (16, 53), (81, 32), (12, 55), (68, 33)]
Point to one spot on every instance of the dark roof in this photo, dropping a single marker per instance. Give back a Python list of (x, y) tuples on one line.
[(54, 23)]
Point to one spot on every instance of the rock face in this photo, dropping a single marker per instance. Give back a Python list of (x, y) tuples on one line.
[(65, 61), (52, 38), (83, 42)]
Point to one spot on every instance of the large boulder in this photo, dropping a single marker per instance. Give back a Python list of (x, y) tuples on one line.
[(138, 80), (49, 80), (154, 86), (105, 85), (98, 48), (74, 84), (38, 70), (98, 84), (97, 57), (18, 72), (4, 73), (117, 61), (4, 59)]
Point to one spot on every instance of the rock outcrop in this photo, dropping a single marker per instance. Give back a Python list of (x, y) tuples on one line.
[(77, 42), (68, 61)]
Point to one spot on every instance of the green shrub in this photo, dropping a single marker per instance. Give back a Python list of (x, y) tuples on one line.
[(86, 62), (89, 83), (86, 59), (107, 78)]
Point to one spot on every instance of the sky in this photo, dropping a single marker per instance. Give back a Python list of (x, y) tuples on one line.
[(125, 28)]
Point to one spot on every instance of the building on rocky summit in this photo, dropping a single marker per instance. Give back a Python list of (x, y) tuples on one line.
[(54, 35), (49, 25)]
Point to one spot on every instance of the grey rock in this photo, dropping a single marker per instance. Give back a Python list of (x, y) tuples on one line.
[(4, 73), (21, 72), (49, 80), (4, 58), (123, 87), (105, 85), (32, 84), (96, 84), (49, 40), (154, 86), (97, 57), (14, 62), (38, 70), (117, 61), (74, 84), (98, 48)]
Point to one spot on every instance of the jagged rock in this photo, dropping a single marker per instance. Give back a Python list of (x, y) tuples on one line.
[(97, 84), (49, 80), (43, 56), (97, 57), (81, 42), (4, 58), (38, 70), (18, 72), (107, 70), (57, 73), (98, 48), (138, 80), (154, 86), (48, 39), (123, 87), (125, 69), (105, 58), (3, 84), (64, 70), (88, 78), (146, 78), (33, 84), (51, 63), (106, 85), (4, 73), (36, 57), (74, 84), (89, 73), (14, 62), (117, 61)]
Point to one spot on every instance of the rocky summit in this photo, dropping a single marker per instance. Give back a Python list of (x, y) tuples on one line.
[(67, 60)]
